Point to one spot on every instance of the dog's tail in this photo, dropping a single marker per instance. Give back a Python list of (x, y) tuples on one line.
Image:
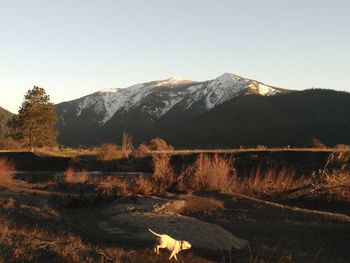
[(154, 233)]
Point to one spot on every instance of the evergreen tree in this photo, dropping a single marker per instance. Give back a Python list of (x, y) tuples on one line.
[(35, 123)]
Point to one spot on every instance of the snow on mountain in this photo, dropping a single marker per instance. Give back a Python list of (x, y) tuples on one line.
[(156, 98), (173, 81)]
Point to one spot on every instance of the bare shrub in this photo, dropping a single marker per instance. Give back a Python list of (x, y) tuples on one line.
[(7, 173), (127, 146), (334, 183), (208, 173), (76, 177), (143, 185), (141, 151), (115, 186), (158, 144), (271, 181), (163, 174), (108, 152), (316, 143)]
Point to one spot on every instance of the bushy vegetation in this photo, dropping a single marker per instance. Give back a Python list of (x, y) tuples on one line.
[(158, 144), (269, 181), (76, 177), (108, 152), (208, 173)]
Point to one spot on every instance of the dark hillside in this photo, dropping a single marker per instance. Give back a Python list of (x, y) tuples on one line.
[(289, 119)]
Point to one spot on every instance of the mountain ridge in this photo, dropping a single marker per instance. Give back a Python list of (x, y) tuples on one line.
[(174, 90), (228, 111)]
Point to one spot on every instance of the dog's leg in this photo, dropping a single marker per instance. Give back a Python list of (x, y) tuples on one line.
[(157, 248), (173, 254)]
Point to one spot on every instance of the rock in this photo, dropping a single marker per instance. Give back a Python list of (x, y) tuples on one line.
[(135, 219)]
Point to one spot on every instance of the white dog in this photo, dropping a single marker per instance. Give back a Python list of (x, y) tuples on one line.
[(171, 244)]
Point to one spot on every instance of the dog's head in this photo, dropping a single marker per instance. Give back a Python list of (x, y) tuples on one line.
[(185, 245)]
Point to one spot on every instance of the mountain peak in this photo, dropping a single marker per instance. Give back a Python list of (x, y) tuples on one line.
[(173, 81), (109, 90), (228, 77)]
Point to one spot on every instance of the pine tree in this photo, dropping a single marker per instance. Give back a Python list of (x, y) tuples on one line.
[(35, 123)]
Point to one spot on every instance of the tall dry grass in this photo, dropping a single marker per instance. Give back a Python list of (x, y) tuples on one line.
[(333, 181), (163, 173), (158, 144), (271, 181), (141, 151), (214, 172), (76, 177), (7, 173), (208, 173), (143, 185), (115, 186), (127, 146), (109, 151)]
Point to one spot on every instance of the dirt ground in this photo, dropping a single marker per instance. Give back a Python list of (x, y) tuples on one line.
[(276, 232)]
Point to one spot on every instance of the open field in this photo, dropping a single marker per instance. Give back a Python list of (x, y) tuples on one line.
[(292, 206)]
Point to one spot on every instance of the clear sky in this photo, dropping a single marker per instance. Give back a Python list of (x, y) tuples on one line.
[(75, 47)]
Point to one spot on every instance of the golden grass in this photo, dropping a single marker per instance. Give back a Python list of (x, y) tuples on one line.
[(108, 152), (76, 177), (143, 185), (27, 244), (141, 151), (158, 144), (208, 173), (334, 183), (7, 173), (163, 173), (270, 181)]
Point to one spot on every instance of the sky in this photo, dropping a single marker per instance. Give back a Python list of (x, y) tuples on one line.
[(76, 47)]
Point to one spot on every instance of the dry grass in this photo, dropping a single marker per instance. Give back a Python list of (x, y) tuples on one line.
[(64, 152), (208, 173), (163, 174), (108, 152), (76, 177), (127, 146), (333, 183), (7, 173), (26, 244), (195, 204), (115, 186), (158, 144), (143, 185), (269, 182), (141, 151)]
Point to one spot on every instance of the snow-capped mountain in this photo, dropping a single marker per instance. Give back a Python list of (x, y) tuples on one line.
[(145, 108), (157, 98)]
